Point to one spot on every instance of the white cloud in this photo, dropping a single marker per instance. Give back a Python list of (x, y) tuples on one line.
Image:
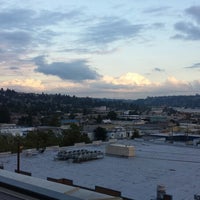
[(173, 81), (132, 79), (27, 85), (130, 85)]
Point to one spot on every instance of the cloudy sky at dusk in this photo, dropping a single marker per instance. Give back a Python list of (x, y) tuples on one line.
[(108, 48)]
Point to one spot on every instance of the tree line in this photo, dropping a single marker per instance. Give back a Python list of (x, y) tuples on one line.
[(42, 139)]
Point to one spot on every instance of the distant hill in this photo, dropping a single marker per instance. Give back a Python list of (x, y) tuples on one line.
[(46, 103), (192, 101)]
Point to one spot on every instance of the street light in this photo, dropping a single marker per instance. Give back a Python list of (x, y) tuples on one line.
[(19, 148)]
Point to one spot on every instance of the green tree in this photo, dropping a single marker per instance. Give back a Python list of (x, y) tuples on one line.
[(6, 141), (40, 139), (112, 115), (4, 115), (54, 121), (136, 134), (9, 142), (31, 140), (100, 133), (73, 135), (25, 120), (99, 119)]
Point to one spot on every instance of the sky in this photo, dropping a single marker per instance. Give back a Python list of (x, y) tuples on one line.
[(123, 49)]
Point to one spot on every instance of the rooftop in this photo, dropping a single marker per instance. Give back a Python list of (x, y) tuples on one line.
[(176, 166)]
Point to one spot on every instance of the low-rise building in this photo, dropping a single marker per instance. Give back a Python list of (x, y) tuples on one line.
[(15, 130), (117, 133)]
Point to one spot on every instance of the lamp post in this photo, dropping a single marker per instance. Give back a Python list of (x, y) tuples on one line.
[(19, 148), (18, 156)]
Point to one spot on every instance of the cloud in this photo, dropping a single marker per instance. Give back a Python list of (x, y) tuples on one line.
[(26, 85), (194, 11), (124, 86), (188, 31), (13, 68), (15, 18), (173, 86), (173, 81), (91, 50), (194, 66), (127, 86), (24, 29), (15, 39), (131, 79), (156, 10), (111, 87), (156, 69), (43, 28), (196, 86), (110, 30), (158, 25), (29, 19), (76, 70)]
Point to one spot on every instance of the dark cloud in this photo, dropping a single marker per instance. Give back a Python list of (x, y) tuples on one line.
[(45, 38), (110, 30), (25, 29), (157, 10), (156, 69), (49, 17), (194, 11), (16, 18), (2, 51), (29, 19), (76, 71), (40, 29), (15, 39), (158, 25), (194, 66), (188, 31), (13, 68)]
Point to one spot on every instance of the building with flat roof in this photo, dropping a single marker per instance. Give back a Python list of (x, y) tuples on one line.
[(14, 186)]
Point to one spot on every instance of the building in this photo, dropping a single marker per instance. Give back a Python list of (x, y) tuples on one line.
[(15, 186), (15, 130), (117, 133)]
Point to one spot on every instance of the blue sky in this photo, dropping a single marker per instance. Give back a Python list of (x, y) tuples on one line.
[(109, 48)]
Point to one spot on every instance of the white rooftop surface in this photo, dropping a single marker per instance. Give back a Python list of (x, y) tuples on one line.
[(61, 188), (175, 167)]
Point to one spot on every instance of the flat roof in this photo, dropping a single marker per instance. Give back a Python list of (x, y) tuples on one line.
[(176, 166), (6, 194), (32, 187), (28, 187)]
